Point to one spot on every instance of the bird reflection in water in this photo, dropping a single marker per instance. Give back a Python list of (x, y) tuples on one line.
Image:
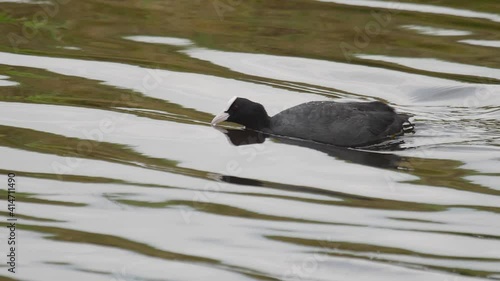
[(240, 137), (369, 156)]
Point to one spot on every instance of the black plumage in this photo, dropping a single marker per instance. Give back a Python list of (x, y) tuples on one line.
[(350, 124)]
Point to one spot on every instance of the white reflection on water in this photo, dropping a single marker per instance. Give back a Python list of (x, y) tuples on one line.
[(428, 30), (202, 92), (161, 40), (485, 43), (239, 241), (4, 82), (435, 65), (420, 8), (45, 258), (394, 86)]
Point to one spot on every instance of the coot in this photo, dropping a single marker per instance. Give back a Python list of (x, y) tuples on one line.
[(351, 124)]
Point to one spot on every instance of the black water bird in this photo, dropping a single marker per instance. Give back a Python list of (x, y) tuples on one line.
[(351, 124)]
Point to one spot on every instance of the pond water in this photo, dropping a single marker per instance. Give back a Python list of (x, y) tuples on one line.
[(105, 112)]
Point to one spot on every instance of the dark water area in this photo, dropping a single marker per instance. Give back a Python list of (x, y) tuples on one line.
[(105, 111)]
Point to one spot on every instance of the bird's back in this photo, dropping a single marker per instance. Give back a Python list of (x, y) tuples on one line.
[(342, 124)]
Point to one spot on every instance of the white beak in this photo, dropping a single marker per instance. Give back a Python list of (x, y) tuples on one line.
[(221, 117)]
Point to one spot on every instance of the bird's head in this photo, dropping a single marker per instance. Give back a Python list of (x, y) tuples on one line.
[(245, 112)]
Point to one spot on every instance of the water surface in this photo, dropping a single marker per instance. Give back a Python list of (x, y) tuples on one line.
[(104, 117)]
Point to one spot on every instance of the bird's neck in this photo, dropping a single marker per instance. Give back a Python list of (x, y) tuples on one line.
[(260, 123)]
